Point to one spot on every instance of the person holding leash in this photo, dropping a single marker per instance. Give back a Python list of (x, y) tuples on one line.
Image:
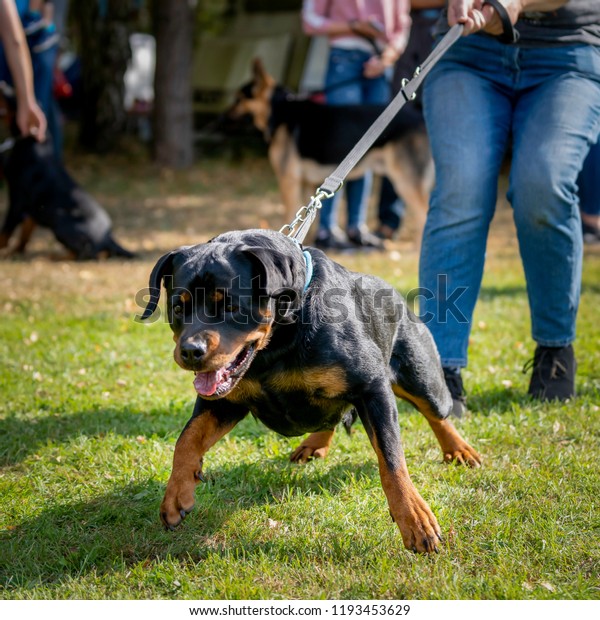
[(542, 96), (366, 38)]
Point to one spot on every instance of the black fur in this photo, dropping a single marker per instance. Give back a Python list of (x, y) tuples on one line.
[(344, 319), (327, 133), (40, 188), (302, 354)]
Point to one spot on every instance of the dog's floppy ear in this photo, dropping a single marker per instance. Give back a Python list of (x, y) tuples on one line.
[(163, 267), (280, 278)]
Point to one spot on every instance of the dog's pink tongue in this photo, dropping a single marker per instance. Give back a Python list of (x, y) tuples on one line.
[(206, 383)]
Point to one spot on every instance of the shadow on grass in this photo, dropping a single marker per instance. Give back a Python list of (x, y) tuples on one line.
[(498, 400), (22, 436), (121, 529), (501, 400), (588, 288), (488, 293)]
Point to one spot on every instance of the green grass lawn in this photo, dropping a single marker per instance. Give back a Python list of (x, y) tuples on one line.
[(92, 403)]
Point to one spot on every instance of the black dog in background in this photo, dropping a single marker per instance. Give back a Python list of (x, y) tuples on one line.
[(41, 192)]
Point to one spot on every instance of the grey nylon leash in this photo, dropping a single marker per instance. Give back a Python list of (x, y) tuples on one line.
[(407, 92), (298, 228)]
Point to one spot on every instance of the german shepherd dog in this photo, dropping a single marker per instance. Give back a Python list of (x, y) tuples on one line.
[(307, 140)]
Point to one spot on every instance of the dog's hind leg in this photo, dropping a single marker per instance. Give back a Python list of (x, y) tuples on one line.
[(286, 164), (454, 447), (410, 169), (418, 525), (209, 422), (27, 229), (417, 377), (14, 216), (290, 189), (314, 446)]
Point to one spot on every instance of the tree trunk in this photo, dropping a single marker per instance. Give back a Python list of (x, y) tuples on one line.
[(104, 51), (173, 114)]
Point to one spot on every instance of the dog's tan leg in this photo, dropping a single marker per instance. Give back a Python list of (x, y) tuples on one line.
[(200, 433), (27, 228), (4, 239), (416, 199), (286, 164), (289, 187), (314, 446), (454, 447), (418, 526), (412, 180)]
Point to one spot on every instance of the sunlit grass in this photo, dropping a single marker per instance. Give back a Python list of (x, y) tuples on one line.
[(92, 404)]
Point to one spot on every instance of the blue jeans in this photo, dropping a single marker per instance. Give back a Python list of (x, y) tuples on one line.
[(482, 96), (346, 68)]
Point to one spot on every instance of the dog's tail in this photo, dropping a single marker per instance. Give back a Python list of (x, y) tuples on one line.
[(348, 420), (114, 249)]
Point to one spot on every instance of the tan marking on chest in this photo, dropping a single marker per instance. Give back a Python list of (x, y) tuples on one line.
[(246, 390), (330, 382)]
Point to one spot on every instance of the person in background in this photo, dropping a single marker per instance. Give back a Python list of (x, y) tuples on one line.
[(589, 196), (542, 94), (60, 13), (30, 118), (423, 14), (366, 38), (42, 40)]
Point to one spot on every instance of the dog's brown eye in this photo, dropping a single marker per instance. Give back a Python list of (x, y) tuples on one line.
[(178, 310), (231, 308)]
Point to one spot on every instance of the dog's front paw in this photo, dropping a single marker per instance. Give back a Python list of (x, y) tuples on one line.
[(418, 526), (315, 446), (462, 454), (177, 503), (303, 454)]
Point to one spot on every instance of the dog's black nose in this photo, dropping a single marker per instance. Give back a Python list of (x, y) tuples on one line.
[(193, 351)]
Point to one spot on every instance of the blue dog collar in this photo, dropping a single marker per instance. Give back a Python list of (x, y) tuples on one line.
[(309, 269)]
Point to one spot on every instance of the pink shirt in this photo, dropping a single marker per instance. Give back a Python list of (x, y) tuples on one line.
[(392, 16)]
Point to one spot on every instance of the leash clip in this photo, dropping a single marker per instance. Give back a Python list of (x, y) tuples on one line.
[(305, 216), (405, 82)]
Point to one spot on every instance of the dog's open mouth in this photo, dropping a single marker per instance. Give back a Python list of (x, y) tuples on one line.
[(219, 382)]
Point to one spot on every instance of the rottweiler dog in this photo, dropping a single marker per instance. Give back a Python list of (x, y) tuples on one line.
[(41, 192), (303, 344)]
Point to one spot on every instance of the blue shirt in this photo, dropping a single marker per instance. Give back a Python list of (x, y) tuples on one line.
[(22, 7)]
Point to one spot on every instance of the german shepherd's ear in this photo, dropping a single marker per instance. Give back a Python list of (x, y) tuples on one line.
[(162, 269), (258, 70), (280, 278), (260, 76)]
